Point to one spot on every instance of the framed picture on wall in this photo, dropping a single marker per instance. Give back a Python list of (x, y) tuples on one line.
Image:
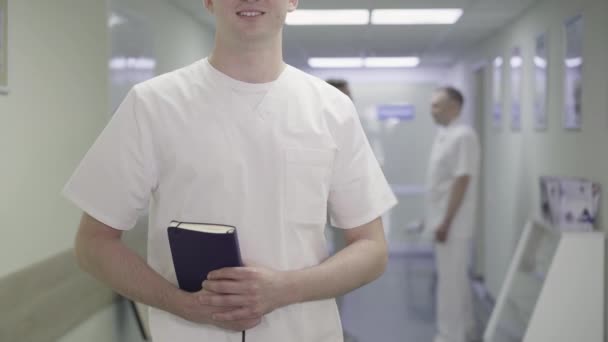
[(573, 75), (541, 64), (497, 92), (570, 204), (3, 46), (516, 89)]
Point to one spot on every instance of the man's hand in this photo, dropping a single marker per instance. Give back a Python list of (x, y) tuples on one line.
[(193, 307), (248, 293), (442, 232), (459, 189)]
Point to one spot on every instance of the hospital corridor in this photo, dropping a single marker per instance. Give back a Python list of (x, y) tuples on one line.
[(303, 171)]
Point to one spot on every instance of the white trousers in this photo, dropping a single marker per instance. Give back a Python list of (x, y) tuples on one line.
[(455, 321)]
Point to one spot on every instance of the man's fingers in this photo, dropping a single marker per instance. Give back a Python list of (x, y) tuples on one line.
[(227, 300), (225, 286), (245, 313), (234, 273)]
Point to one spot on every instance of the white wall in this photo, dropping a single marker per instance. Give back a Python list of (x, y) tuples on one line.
[(116, 323), (515, 160), (158, 30), (56, 106), (177, 38)]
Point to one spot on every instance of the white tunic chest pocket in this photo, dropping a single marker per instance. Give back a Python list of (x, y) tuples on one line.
[(306, 184)]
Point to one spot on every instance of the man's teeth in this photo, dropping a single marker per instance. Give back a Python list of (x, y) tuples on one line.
[(250, 14)]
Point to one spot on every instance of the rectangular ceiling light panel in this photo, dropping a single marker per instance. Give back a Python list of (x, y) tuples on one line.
[(328, 17), (439, 16)]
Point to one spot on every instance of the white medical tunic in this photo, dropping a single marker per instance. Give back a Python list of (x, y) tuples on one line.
[(196, 145), (455, 153)]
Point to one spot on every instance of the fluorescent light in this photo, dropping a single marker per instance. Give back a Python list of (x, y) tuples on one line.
[(328, 17), (416, 16), (391, 62), (498, 62), (335, 62), (516, 62), (574, 62), (370, 62), (540, 62), (115, 20), (123, 63)]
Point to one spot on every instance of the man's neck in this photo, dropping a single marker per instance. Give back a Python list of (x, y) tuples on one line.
[(451, 121), (251, 64)]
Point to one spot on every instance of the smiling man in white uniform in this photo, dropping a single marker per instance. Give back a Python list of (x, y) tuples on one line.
[(237, 138), (452, 184)]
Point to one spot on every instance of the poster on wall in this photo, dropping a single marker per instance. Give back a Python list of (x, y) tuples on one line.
[(573, 80), (516, 89), (497, 93), (3, 46), (540, 83), (570, 204), (396, 112)]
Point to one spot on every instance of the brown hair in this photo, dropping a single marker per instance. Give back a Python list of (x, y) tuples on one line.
[(338, 83), (454, 94)]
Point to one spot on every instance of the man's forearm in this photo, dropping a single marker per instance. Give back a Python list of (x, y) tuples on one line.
[(457, 194), (114, 264), (354, 266)]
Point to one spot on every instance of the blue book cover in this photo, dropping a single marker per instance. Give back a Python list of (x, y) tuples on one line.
[(199, 248)]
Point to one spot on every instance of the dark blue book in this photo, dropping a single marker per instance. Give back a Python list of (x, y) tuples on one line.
[(199, 248)]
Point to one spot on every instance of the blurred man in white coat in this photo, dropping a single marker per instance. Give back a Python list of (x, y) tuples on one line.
[(453, 176)]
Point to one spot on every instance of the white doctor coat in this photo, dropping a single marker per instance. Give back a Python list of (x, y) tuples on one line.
[(455, 153), (196, 145)]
